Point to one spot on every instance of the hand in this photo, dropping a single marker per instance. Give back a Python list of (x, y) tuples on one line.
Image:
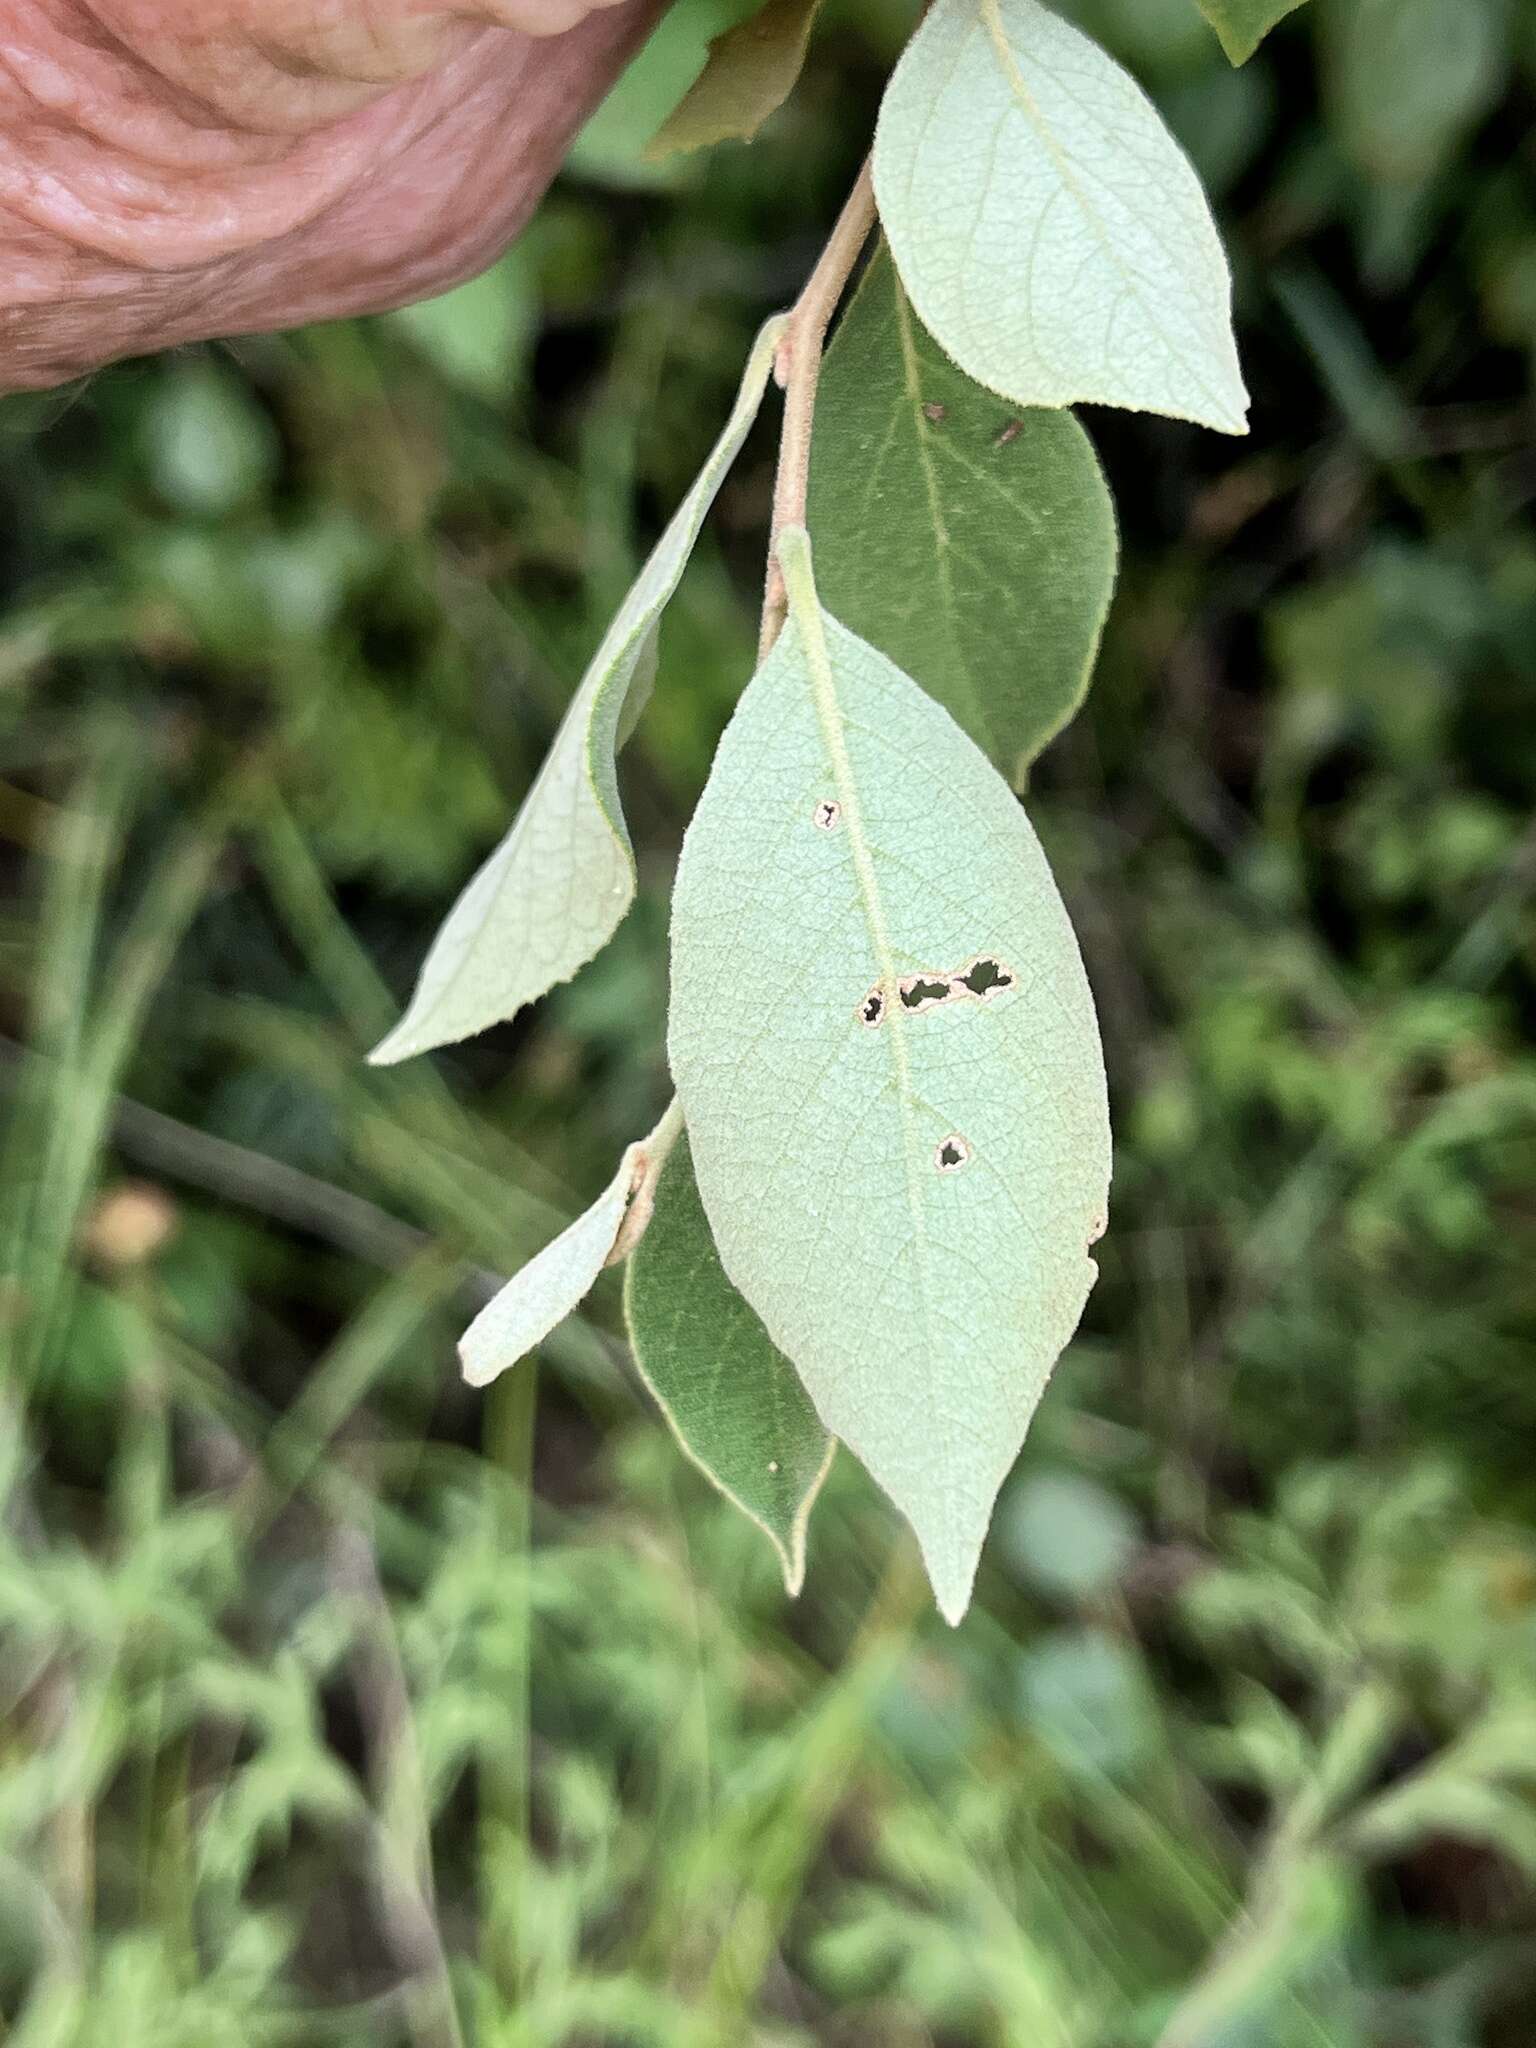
[(175, 169)]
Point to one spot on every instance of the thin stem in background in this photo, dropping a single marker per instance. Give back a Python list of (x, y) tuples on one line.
[(511, 1406)]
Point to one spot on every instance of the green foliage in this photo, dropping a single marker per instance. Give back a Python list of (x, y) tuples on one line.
[(657, 1804), (992, 532), (208, 449), (865, 932), (1409, 77), (733, 1399), (1061, 1532), (1243, 24), (749, 73), (479, 335), (1047, 229), (613, 149), (552, 1285)]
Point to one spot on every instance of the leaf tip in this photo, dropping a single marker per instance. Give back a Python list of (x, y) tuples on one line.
[(953, 1602), (395, 1046), (479, 1364), (951, 1570), (1226, 410), (667, 142)]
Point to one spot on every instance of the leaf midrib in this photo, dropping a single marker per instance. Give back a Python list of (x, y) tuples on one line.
[(829, 717)]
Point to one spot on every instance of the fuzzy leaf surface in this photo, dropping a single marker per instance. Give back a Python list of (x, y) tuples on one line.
[(556, 888), (553, 1283), (972, 544), (734, 1401), (1243, 24), (1049, 230), (749, 73), (906, 1202)]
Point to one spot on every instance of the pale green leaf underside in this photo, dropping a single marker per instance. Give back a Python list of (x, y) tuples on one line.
[(733, 1400), (973, 544), (1243, 24), (552, 1284), (556, 888), (749, 73), (1047, 227), (907, 1205)]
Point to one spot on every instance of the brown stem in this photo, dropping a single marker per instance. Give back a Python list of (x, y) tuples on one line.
[(798, 368)]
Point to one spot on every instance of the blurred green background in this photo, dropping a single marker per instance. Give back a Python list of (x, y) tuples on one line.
[(314, 1727)]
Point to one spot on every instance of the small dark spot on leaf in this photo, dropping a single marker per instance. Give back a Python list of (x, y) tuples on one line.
[(935, 412), (952, 1153), (985, 977), (1011, 432), (828, 815), (871, 1009)]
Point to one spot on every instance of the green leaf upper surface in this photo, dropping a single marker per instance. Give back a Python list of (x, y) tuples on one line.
[(749, 73), (889, 1065), (1243, 24), (1048, 229), (974, 546), (555, 889), (734, 1401)]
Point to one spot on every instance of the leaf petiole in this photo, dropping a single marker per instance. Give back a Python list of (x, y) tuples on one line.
[(798, 368)]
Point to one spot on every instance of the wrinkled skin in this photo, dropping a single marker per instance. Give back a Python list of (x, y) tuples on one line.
[(176, 169)]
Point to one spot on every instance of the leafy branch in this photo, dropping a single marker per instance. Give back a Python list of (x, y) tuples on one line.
[(868, 1217)]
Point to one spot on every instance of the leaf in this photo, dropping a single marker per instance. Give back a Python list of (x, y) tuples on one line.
[(749, 73), (610, 150), (1049, 231), (556, 888), (734, 1402), (889, 1066), (1243, 24), (552, 1284), (974, 546)]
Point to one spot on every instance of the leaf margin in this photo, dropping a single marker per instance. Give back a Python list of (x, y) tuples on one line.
[(592, 723), (791, 1554), (705, 116)]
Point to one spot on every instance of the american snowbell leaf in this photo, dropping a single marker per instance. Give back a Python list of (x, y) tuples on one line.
[(889, 1066), (558, 1279), (990, 533), (556, 888), (749, 73), (733, 1399), (1243, 24), (1048, 229)]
